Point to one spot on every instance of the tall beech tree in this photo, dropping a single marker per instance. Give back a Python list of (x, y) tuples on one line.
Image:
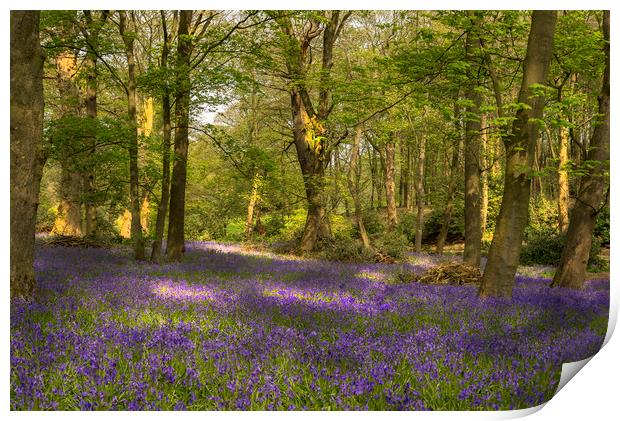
[(572, 269), (520, 143), (27, 158)]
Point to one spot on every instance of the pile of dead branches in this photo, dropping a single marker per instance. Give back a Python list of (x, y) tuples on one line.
[(381, 257), (71, 241), (451, 273)]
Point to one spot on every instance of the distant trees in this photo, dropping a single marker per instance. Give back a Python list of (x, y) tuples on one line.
[(27, 158)]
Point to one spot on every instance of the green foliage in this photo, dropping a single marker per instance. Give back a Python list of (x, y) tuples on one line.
[(602, 228), (456, 229), (392, 244), (347, 250), (407, 226), (545, 247), (373, 222)]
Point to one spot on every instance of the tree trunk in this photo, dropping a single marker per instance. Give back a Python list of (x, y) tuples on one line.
[(90, 62), (134, 176), (447, 215), (69, 217), (419, 194), (26, 138), (484, 205), (249, 220), (354, 186), (503, 258), (563, 187), (574, 261), (473, 229), (176, 222), (392, 218), (166, 134), (310, 154)]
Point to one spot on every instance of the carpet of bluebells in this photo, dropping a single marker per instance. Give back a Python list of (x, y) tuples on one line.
[(231, 329)]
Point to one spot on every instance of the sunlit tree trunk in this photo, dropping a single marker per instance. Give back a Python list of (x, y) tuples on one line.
[(134, 176), (503, 257), (254, 196), (392, 218), (563, 187), (26, 123), (484, 199), (175, 247), (68, 219), (574, 261), (69, 216)]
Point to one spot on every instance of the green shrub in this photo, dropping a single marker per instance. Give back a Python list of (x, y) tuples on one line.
[(392, 244), (235, 230), (456, 229), (342, 229), (545, 248), (543, 215), (347, 250), (601, 230), (373, 222), (407, 226)]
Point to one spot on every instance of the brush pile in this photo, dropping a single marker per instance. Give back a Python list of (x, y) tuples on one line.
[(71, 241), (451, 273)]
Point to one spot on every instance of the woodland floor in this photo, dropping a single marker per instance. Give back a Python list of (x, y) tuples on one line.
[(233, 328)]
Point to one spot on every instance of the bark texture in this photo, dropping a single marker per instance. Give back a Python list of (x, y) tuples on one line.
[(563, 187), (310, 135), (572, 270), (26, 124), (473, 227), (175, 247), (503, 257)]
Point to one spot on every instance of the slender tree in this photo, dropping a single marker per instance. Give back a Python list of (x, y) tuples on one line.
[(503, 257), (473, 227), (134, 176), (162, 207), (390, 152)]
